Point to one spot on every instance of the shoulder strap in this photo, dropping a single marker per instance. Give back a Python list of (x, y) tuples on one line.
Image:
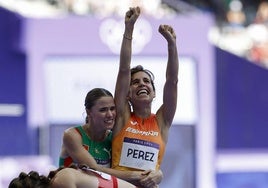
[(79, 129)]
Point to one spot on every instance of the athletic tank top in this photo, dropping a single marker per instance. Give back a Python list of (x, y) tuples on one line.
[(139, 145), (100, 151)]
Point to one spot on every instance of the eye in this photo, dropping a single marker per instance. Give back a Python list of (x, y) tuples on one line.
[(147, 81), (134, 82), (103, 109)]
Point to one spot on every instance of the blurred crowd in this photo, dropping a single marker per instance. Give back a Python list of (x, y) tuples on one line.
[(241, 25), (96, 8), (236, 31), (110, 7), (246, 38)]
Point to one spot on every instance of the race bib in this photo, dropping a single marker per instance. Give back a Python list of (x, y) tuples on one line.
[(139, 154)]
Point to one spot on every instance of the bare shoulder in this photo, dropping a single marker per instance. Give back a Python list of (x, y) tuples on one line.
[(121, 119), (72, 178), (70, 132), (65, 178), (163, 124)]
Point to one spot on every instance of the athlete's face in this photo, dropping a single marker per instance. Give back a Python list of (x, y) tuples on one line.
[(102, 114), (141, 87)]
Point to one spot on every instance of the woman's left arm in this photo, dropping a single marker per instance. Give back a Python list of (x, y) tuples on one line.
[(167, 111)]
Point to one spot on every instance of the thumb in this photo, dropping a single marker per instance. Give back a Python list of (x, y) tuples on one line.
[(146, 172)]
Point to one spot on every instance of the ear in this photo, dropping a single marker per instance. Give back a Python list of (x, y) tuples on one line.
[(88, 112), (154, 95)]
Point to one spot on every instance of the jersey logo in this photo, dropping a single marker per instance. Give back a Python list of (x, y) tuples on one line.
[(133, 122), (108, 152)]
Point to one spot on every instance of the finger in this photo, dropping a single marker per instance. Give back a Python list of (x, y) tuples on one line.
[(149, 184), (146, 172), (138, 10)]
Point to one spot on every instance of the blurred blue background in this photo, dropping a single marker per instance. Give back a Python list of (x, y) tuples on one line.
[(52, 52)]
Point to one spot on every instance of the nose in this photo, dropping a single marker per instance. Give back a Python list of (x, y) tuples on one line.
[(109, 113), (142, 84)]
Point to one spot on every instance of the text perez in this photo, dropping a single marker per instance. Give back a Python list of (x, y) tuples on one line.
[(139, 154)]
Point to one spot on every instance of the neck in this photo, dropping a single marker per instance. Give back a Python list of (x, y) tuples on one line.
[(142, 112), (93, 134)]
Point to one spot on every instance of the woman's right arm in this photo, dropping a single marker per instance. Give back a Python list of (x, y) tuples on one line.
[(142, 179), (72, 144), (123, 77)]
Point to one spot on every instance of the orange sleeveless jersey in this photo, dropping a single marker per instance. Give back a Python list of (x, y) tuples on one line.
[(139, 145)]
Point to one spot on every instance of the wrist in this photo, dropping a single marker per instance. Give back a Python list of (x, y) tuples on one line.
[(128, 37)]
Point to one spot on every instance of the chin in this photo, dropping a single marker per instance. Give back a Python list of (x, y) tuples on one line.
[(110, 127)]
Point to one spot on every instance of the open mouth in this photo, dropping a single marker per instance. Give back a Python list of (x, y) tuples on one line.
[(109, 121), (143, 92)]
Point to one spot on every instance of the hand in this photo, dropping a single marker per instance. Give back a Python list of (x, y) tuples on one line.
[(132, 15), (168, 32), (151, 178)]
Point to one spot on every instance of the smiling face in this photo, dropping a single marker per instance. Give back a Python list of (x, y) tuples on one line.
[(102, 114), (141, 88)]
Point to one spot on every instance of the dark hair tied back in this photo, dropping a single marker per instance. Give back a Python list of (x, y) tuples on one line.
[(94, 94), (30, 180)]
